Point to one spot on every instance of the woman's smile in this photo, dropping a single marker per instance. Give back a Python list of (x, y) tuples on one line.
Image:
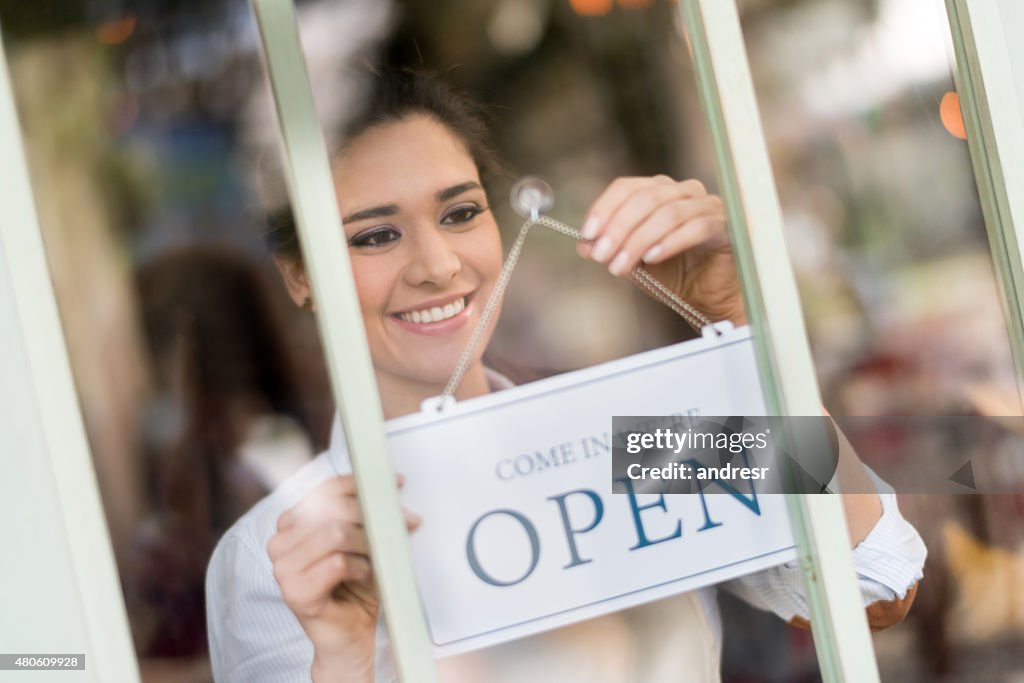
[(436, 317)]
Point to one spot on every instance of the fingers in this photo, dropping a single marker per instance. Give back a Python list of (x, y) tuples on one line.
[(330, 506), (332, 537), (318, 501), (306, 591), (706, 230), (321, 544), (622, 206), (668, 231), (634, 218), (613, 197), (324, 502), (297, 548)]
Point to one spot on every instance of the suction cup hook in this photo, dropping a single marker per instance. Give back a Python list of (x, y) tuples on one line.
[(531, 196)]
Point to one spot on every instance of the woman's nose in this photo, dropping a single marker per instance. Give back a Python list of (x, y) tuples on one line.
[(434, 261)]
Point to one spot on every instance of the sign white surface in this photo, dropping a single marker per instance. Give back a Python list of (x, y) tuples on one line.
[(521, 530)]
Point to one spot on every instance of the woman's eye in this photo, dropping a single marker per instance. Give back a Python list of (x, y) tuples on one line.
[(462, 214), (375, 237)]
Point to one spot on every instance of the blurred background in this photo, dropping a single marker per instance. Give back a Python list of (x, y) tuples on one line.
[(152, 145)]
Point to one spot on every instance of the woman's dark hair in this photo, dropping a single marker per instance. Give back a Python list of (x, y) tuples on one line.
[(221, 360), (212, 330), (395, 94)]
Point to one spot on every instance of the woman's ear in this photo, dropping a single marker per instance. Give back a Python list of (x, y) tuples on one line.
[(294, 275)]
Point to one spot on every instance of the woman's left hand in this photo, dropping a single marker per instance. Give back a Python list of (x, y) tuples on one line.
[(677, 231)]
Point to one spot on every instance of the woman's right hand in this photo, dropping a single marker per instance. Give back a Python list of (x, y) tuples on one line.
[(321, 563)]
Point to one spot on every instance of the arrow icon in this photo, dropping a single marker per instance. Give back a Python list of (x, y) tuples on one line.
[(964, 476)]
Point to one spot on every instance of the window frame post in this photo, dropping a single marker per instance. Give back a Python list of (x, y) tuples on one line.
[(994, 124), (839, 622), (67, 504), (340, 323)]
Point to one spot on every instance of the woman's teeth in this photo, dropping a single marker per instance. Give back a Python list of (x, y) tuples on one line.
[(435, 314)]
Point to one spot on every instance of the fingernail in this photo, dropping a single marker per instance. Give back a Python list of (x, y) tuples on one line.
[(590, 228), (618, 263), (653, 253), (411, 518), (602, 250)]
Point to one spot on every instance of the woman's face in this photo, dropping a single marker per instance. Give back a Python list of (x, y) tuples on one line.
[(424, 246)]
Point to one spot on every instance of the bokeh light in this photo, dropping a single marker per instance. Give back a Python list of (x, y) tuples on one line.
[(116, 31), (952, 117)]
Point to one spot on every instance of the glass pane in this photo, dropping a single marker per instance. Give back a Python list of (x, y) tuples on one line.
[(616, 98), (153, 145), (201, 385), (886, 235)]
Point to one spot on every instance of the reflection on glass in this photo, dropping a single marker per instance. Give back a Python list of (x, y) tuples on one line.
[(885, 231), (152, 142), (200, 388)]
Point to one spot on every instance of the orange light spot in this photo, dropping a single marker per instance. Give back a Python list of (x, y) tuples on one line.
[(591, 8), (115, 32), (952, 117)]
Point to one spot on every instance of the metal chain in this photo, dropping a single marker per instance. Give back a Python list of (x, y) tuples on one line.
[(691, 315)]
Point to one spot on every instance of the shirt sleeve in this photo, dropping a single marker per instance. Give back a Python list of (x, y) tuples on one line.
[(889, 562), (254, 636)]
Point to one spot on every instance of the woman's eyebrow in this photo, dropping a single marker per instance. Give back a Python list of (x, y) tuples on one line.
[(375, 212), (455, 190), (392, 209)]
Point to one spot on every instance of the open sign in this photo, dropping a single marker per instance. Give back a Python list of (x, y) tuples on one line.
[(522, 532)]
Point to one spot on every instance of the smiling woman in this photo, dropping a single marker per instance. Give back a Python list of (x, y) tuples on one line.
[(424, 245), (290, 588), (438, 247)]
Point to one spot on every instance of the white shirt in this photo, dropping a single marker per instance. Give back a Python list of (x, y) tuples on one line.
[(255, 637)]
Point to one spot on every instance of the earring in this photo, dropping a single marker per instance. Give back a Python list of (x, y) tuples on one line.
[(307, 305)]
